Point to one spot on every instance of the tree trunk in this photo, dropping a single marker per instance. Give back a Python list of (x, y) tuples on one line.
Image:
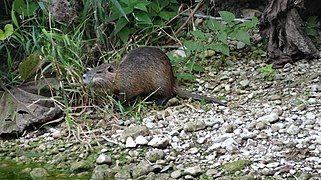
[(284, 28)]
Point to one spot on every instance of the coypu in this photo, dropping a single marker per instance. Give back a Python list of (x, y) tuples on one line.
[(142, 72)]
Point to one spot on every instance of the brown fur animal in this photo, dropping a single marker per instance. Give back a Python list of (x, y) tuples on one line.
[(141, 72)]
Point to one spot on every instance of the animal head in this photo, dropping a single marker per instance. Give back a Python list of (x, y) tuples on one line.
[(102, 76)]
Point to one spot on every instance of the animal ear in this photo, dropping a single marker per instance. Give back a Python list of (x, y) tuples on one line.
[(110, 68)]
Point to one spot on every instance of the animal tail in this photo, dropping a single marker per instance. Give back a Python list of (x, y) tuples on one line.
[(184, 94)]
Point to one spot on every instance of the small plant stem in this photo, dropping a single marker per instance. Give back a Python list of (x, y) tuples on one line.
[(188, 19)]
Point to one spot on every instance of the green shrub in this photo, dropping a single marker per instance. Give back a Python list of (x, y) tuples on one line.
[(214, 36)]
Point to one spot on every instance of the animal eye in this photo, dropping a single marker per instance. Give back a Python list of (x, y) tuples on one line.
[(99, 71), (110, 69)]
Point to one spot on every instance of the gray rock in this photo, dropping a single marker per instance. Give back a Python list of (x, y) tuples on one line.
[(244, 83), (180, 52), (103, 159), (176, 174), (229, 144), (275, 97), (310, 115), (316, 88), (240, 45), (134, 131), (130, 143), (260, 125), (211, 172), (155, 155), (38, 173), (123, 173), (102, 172), (270, 118), (277, 126), (143, 168), (312, 101), (300, 107), (293, 129), (189, 177), (194, 126), (267, 171), (159, 142), (193, 171), (141, 140), (80, 166), (304, 176), (173, 101)]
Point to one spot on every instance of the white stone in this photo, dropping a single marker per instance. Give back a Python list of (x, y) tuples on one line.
[(310, 115), (269, 118), (179, 53), (293, 130), (130, 143), (229, 144), (141, 140)]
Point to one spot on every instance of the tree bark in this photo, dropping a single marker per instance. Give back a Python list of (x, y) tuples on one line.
[(284, 28)]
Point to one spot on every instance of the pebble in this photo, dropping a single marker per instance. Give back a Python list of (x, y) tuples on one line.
[(194, 126), (176, 174), (159, 142), (244, 83), (130, 143), (310, 115), (293, 130), (193, 171), (270, 118), (103, 159), (155, 155), (141, 140)]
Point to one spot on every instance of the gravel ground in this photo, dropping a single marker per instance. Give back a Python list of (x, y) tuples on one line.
[(270, 130)]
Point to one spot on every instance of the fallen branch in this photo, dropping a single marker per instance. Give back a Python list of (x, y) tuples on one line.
[(211, 17)]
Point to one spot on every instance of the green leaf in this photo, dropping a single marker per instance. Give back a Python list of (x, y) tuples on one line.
[(167, 15), (163, 4), (30, 65), (222, 48), (121, 23), (186, 76), (198, 34), (243, 36), (8, 30), (252, 23), (141, 5), (312, 32), (124, 34), (14, 19), (192, 46), (119, 8), (142, 17), (43, 8), (311, 21), (222, 36), (24, 7), (214, 25), (198, 68), (227, 16)]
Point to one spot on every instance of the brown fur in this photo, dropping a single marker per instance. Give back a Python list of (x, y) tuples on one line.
[(141, 72)]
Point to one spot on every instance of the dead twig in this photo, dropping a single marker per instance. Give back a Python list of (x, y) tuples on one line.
[(211, 17), (188, 19)]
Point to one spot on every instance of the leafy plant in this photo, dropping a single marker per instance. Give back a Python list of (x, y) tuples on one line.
[(140, 16), (8, 30), (312, 27), (212, 37), (267, 72)]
